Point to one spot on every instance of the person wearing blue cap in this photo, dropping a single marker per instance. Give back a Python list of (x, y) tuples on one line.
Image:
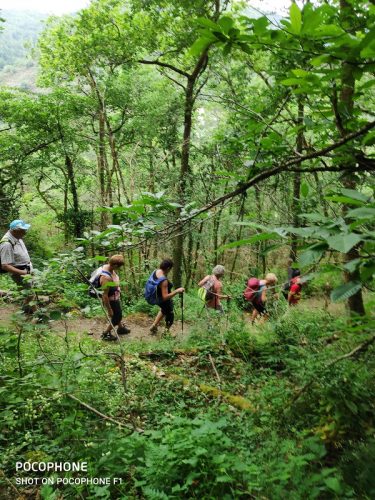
[(14, 256)]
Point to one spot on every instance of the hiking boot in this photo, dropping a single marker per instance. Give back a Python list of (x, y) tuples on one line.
[(154, 330), (123, 330), (108, 336)]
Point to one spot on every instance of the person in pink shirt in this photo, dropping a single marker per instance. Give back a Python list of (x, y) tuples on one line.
[(213, 285)]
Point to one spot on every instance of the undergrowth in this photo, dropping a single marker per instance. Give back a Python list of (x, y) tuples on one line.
[(232, 411)]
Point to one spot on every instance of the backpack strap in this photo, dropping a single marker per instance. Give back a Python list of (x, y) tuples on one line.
[(6, 240), (105, 272)]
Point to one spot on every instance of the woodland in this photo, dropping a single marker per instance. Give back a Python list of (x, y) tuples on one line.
[(208, 132)]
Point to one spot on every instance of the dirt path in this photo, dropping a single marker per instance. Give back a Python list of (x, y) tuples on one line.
[(139, 325)]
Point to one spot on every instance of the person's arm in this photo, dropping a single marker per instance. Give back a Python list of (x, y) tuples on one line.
[(203, 281), (164, 291), (7, 259), (219, 294), (264, 294), (13, 270)]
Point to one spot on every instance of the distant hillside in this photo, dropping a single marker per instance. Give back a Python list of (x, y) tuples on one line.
[(20, 32)]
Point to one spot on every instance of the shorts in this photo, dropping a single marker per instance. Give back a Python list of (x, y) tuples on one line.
[(167, 310), (117, 312), (260, 307)]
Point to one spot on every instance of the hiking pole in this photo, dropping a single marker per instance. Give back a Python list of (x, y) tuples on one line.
[(182, 312), (227, 319)]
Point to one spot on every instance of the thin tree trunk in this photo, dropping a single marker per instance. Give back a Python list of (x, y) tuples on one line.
[(77, 221), (185, 178), (296, 201), (183, 181), (343, 114)]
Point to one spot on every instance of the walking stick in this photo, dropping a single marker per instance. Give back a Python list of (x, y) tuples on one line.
[(182, 312), (228, 311)]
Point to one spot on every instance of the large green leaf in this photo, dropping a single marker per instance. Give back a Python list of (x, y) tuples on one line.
[(226, 23), (362, 213), (344, 199), (355, 195), (312, 254), (199, 46), (249, 241), (343, 292), (207, 23), (305, 189), (295, 18), (352, 265), (343, 242)]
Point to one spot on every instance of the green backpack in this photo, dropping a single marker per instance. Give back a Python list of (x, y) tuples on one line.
[(206, 292)]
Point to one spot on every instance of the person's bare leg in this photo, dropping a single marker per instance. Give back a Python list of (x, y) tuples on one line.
[(254, 316), (108, 329), (156, 322)]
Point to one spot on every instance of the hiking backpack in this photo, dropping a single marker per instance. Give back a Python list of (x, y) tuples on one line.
[(206, 291), (293, 282), (5, 240), (151, 290), (252, 289), (95, 282)]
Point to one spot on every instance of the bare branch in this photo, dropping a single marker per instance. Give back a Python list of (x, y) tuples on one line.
[(173, 80), (101, 415), (166, 65)]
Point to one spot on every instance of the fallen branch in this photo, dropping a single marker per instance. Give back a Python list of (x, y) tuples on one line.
[(214, 368), (19, 495), (158, 355), (237, 401), (102, 415)]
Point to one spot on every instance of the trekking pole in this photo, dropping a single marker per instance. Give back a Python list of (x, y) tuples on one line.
[(182, 312), (227, 319)]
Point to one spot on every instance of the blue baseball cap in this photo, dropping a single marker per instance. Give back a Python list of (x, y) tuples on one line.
[(19, 224)]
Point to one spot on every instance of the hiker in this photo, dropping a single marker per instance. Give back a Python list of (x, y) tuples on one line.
[(211, 288), (158, 291), (286, 286), (110, 295), (256, 294), (294, 295), (15, 258)]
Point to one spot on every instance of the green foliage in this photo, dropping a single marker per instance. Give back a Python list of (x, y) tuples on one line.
[(194, 443), (120, 155)]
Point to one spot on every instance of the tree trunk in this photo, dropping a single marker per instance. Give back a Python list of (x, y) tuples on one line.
[(344, 114), (77, 221), (104, 220), (184, 179), (297, 181)]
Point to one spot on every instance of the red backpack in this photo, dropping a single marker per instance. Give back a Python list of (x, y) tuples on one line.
[(252, 289)]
